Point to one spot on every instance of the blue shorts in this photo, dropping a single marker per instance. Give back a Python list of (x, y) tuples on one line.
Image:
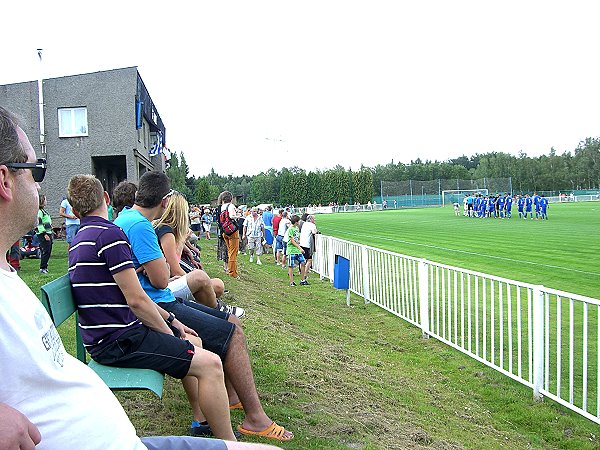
[(71, 232), (295, 260), (279, 243), (211, 324)]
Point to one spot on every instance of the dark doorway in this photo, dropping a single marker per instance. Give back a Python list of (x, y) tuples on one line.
[(110, 170)]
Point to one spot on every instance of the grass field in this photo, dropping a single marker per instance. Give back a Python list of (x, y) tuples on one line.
[(361, 378), (560, 253)]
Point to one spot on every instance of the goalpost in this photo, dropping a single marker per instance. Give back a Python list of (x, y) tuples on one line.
[(451, 196)]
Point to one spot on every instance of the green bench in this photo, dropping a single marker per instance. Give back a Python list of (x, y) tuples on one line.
[(58, 300)]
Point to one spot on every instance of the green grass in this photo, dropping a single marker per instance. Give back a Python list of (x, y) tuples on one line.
[(560, 253), (358, 377)]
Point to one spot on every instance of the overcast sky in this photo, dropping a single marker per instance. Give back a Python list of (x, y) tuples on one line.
[(246, 86)]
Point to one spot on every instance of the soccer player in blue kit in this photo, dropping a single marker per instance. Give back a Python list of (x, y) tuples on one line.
[(528, 203), (536, 203), (520, 205), (500, 203), (491, 206), (508, 205), (544, 207)]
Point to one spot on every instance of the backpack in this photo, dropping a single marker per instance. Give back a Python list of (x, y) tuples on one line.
[(227, 225)]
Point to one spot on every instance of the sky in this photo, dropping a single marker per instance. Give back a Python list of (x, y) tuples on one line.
[(244, 86)]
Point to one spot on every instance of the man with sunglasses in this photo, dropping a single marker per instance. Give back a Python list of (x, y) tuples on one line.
[(46, 395)]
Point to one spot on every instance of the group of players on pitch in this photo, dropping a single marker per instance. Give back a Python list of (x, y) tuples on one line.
[(500, 206)]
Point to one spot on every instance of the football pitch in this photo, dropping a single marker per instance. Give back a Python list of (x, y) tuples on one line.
[(560, 253)]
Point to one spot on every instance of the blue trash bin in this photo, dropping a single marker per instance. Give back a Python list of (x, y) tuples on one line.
[(341, 273)]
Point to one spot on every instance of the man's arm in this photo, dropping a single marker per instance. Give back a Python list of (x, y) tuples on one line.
[(63, 213), (16, 431), (158, 272), (139, 302)]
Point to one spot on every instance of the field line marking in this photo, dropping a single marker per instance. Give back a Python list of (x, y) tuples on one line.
[(476, 254)]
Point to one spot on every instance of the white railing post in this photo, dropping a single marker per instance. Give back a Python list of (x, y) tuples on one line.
[(423, 278), (538, 342), (365, 274), (331, 259)]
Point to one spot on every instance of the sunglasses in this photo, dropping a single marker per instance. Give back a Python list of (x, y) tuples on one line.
[(170, 193), (38, 169)]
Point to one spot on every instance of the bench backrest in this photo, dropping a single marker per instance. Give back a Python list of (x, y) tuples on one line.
[(58, 300)]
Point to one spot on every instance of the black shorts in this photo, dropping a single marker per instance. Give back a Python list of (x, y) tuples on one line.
[(143, 348), (196, 227), (307, 253), (211, 324)]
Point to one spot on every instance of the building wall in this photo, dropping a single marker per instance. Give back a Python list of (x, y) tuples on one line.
[(109, 97), (110, 101), (22, 100)]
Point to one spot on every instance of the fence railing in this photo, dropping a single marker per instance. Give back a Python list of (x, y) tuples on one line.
[(543, 338)]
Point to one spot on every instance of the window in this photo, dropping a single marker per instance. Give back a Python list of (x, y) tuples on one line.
[(72, 122)]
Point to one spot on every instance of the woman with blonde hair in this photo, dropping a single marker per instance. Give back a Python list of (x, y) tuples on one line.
[(172, 229)]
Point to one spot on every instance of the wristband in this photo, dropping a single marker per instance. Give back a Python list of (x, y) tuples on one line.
[(170, 319)]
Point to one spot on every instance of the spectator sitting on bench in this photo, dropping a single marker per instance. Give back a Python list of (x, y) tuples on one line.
[(123, 195), (219, 331), (172, 229), (120, 325), (47, 396)]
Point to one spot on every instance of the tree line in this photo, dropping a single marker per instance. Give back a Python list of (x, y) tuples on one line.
[(575, 170)]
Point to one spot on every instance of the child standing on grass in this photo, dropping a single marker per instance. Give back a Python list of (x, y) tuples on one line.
[(295, 253)]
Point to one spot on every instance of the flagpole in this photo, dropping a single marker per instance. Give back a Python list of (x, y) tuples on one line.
[(41, 107)]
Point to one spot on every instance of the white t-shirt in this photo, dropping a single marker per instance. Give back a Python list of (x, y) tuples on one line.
[(308, 229), (230, 208), (69, 403), (284, 224), (68, 210)]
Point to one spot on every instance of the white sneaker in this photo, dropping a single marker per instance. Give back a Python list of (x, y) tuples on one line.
[(258, 262), (251, 258), (235, 310)]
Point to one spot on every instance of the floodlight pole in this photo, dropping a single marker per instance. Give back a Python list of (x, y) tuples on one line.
[(41, 106)]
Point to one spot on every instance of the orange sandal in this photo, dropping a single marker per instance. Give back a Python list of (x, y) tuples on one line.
[(238, 405), (273, 431)]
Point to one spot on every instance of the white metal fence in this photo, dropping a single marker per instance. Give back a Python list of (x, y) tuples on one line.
[(544, 338)]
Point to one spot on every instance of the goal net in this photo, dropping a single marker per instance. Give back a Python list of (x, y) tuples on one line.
[(457, 195)]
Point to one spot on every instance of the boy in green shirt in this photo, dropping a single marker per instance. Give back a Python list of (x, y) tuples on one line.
[(295, 252)]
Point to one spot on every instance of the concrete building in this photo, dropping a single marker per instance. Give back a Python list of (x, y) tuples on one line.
[(103, 123)]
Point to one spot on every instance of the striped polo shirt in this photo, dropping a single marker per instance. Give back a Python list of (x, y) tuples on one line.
[(99, 250)]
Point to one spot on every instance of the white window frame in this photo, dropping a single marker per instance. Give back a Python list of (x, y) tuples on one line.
[(73, 124)]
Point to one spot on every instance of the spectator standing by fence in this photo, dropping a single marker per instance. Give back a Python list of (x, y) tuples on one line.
[(44, 234), (294, 251), (232, 241), (71, 220), (307, 242), (206, 223), (195, 221), (276, 220), (254, 230)]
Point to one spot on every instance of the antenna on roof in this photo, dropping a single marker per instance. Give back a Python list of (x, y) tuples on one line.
[(41, 106)]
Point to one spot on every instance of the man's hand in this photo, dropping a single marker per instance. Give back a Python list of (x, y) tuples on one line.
[(183, 330), (16, 431), (174, 277)]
